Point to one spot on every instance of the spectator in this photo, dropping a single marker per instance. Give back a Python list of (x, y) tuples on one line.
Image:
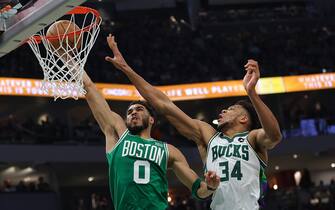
[(42, 186), (21, 187), (81, 204), (94, 201), (32, 187), (8, 186), (320, 118)]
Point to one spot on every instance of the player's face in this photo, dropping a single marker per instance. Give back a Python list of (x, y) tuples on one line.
[(137, 118), (228, 117)]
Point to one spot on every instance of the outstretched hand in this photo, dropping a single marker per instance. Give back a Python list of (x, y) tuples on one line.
[(212, 180), (118, 60), (252, 76)]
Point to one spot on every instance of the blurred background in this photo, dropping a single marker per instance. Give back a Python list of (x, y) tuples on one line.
[(52, 152)]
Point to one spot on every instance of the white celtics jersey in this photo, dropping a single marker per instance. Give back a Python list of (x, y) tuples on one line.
[(241, 172)]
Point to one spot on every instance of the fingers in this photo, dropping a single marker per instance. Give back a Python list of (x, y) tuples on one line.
[(112, 44), (109, 59), (211, 174), (110, 41), (251, 62), (251, 65), (212, 178)]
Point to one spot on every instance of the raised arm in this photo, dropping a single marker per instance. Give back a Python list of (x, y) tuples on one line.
[(200, 189), (270, 135), (196, 130), (111, 124)]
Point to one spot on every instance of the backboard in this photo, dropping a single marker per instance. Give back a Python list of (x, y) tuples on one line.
[(31, 19)]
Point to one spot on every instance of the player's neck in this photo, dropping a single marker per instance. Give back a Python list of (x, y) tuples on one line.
[(145, 134), (232, 131)]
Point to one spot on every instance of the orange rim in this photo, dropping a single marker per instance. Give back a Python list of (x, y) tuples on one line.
[(76, 11)]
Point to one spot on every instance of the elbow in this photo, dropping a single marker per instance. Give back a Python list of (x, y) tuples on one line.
[(278, 136), (273, 139), (276, 139)]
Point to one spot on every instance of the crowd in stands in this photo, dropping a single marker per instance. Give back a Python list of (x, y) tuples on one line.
[(25, 186), (259, 12), (94, 202), (299, 114), (307, 116), (303, 114), (168, 51), (306, 196), (14, 130)]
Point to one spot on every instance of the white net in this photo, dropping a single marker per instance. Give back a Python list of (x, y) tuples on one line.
[(63, 63)]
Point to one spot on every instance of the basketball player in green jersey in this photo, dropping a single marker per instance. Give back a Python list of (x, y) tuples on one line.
[(237, 152), (137, 162)]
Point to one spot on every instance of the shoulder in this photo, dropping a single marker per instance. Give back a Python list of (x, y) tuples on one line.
[(113, 139), (175, 155), (252, 137), (207, 131), (214, 136), (172, 150), (262, 140)]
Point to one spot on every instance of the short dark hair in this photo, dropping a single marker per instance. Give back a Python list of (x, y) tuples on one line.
[(150, 109), (254, 121)]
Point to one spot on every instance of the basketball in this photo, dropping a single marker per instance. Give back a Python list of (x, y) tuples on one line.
[(61, 29)]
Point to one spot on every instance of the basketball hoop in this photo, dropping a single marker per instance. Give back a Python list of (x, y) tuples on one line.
[(63, 64)]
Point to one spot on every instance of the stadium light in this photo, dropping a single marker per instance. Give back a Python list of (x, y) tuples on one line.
[(10, 170), (26, 171), (275, 187), (297, 177), (90, 179)]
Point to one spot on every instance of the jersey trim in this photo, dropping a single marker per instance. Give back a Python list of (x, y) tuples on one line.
[(234, 136), (167, 154), (149, 139), (263, 164), (208, 146), (211, 139), (118, 142)]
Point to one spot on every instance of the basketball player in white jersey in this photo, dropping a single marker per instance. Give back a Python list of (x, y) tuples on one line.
[(237, 152)]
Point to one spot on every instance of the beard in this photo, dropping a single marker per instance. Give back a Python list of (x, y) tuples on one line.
[(223, 127), (137, 129)]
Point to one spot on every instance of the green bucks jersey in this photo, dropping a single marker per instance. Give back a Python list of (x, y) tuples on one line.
[(137, 173), (241, 172)]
